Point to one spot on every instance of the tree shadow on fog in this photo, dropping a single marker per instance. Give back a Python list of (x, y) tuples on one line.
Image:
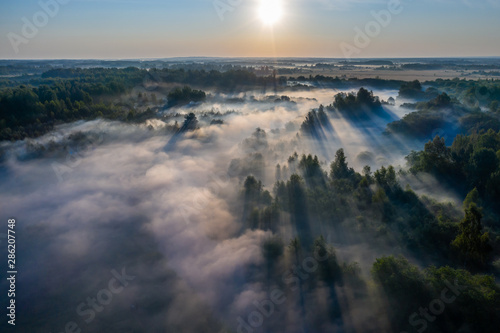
[(372, 128), (190, 124), (364, 116), (392, 217), (318, 127), (317, 124), (363, 113)]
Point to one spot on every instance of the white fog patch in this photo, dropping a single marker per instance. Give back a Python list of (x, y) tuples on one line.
[(185, 197)]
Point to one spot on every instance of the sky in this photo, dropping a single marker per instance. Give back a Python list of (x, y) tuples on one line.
[(131, 29)]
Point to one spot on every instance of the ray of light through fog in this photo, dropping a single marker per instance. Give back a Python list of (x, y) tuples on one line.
[(81, 204), (260, 166)]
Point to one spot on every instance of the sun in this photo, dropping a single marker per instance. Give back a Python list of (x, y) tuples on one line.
[(270, 11)]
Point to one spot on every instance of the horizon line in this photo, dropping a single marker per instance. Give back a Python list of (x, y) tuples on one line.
[(247, 57)]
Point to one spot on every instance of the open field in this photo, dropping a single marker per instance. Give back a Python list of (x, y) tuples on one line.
[(403, 75)]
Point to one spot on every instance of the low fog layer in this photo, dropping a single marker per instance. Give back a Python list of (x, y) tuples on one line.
[(100, 197)]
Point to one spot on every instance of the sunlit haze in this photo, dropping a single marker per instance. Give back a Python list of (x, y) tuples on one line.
[(249, 166), (307, 28)]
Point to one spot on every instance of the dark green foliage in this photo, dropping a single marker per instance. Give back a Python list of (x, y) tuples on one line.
[(355, 209), (386, 177), (477, 122), (436, 158), (411, 89), (471, 166), (29, 112), (439, 114), (398, 277), (253, 189), (482, 164), (471, 241), (185, 95), (226, 79), (477, 302), (292, 198), (329, 269), (357, 104), (339, 168), (414, 90), (418, 124), (471, 162), (404, 286), (217, 122), (441, 101), (315, 123), (190, 123), (494, 106), (69, 94), (473, 300), (421, 225), (259, 210), (297, 196), (375, 207), (311, 170), (471, 93), (471, 198)]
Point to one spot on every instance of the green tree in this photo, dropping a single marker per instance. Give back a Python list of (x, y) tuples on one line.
[(190, 123), (471, 198), (397, 276), (403, 285), (298, 208), (311, 170), (482, 164), (339, 168), (477, 302), (471, 242), (442, 100), (329, 269), (411, 89), (386, 177), (494, 106), (437, 156)]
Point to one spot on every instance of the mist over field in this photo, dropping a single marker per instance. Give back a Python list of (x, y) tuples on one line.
[(168, 210), (264, 166)]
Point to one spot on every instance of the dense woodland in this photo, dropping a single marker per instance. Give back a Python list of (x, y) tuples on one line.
[(459, 244), (63, 95), (373, 208)]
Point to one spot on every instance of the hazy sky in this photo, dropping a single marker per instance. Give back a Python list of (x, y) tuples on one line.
[(316, 28)]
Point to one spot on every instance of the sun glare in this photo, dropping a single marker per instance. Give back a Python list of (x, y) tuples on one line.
[(270, 11)]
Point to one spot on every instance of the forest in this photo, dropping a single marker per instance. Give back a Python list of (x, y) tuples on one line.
[(261, 166), (345, 204), (373, 208)]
